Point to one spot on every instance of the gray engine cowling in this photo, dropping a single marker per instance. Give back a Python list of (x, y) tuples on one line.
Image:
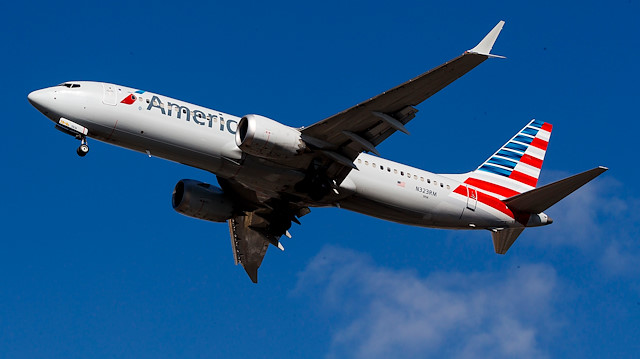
[(263, 137), (202, 200)]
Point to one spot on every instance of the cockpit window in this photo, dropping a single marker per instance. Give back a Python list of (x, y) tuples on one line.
[(70, 85)]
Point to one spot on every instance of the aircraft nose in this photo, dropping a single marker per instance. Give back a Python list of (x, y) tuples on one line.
[(549, 220), (38, 98)]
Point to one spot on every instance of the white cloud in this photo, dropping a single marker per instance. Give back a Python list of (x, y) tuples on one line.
[(621, 257), (382, 312), (602, 220)]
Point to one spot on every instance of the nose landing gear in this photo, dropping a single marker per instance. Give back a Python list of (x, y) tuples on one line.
[(79, 132), (84, 148)]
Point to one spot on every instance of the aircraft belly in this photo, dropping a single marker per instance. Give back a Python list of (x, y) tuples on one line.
[(482, 218), (169, 151), (389, 198), (370, 207)]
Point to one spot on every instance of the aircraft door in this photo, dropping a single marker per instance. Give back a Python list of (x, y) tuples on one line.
[(472, 198), (109, 96)]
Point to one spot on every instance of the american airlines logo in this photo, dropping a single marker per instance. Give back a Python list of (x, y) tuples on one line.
[(196, 116)]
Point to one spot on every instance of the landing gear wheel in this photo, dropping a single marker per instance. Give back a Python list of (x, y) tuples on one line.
[(83, 150)]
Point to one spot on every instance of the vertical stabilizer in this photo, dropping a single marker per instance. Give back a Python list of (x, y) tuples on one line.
[(515, 167), (504, 238)]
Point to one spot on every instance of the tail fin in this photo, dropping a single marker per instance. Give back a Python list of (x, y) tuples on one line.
[(504, 238), (515, 167)]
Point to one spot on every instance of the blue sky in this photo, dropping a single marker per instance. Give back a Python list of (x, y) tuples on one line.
[(95, 263)]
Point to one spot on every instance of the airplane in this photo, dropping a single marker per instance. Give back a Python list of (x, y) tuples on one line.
[(271, 174)]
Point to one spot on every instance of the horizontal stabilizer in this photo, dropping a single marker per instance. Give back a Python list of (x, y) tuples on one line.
[(504, 238), (539, 199)]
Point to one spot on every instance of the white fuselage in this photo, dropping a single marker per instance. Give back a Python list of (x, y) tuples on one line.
[(205, 138)]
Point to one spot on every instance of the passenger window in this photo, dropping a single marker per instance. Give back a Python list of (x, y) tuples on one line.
[(441, 185), (422, 179), (428, 180), (381, 167), (415, 177), (388, 169), (401, 173), (448, 187), (408, 175), (395, 171), (435, 183), (373, 164), (359, 160), (366, 163)]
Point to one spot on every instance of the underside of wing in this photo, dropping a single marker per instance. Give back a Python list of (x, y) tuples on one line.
[(248, 245), (258, 224), (364, 126), (366, 118)]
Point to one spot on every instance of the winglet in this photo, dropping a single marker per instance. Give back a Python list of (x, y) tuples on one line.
[(484, 47)]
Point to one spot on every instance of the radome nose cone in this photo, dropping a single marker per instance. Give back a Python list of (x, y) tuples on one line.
[(549, 220), (37, 97)]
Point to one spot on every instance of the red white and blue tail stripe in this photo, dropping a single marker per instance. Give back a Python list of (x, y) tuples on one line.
[(515, 167)]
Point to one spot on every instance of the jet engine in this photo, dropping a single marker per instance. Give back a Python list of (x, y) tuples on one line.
[(201, 200), (263, 137)]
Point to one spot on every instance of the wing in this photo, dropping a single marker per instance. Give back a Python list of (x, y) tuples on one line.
[(261, 224), (364, 126), (334, 144), (248, 245)]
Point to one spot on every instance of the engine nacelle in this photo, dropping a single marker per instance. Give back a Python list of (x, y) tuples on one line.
[(201, 200), (263, 137)]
